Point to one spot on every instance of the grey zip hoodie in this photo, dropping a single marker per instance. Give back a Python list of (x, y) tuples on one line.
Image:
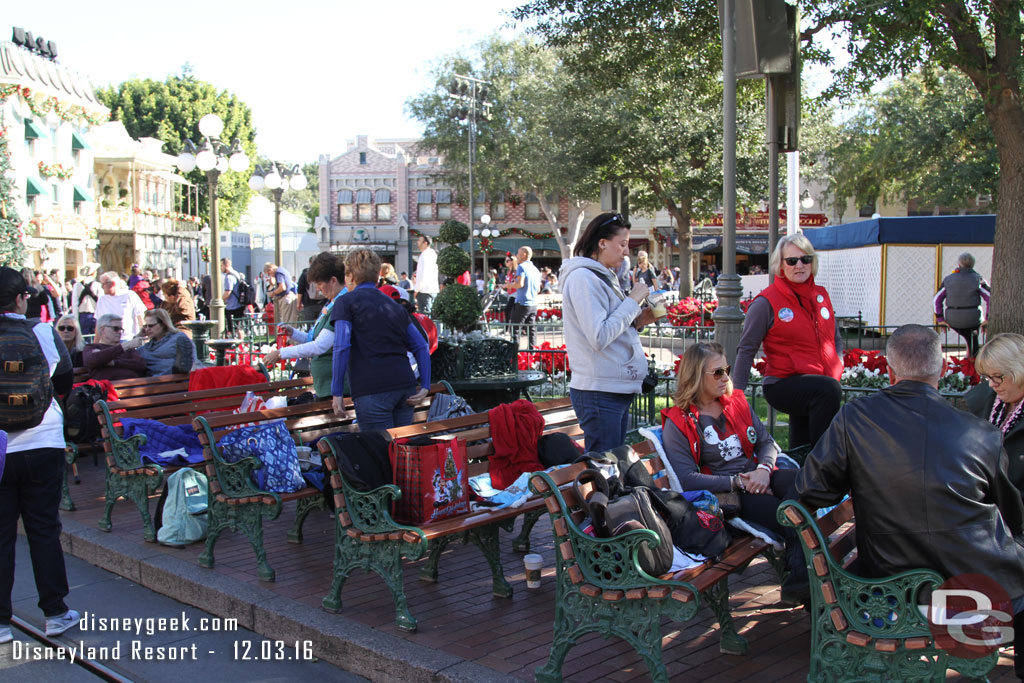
[(604, 350)]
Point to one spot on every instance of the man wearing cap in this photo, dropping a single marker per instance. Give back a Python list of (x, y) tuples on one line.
[(84, 298), (30, 487)]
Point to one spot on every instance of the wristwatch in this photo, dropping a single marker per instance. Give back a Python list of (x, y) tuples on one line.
[(737, 483)]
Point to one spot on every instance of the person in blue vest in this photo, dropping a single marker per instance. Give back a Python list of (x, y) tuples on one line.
[(372, 334)]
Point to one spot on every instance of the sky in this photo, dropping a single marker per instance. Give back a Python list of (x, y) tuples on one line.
[(315, 73)]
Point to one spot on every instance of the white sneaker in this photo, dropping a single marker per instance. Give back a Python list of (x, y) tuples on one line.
[(5, 634), (57, 625)]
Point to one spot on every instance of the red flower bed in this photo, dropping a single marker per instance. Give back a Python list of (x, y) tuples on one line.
[(548, 362), (687, 312), (872, 360)]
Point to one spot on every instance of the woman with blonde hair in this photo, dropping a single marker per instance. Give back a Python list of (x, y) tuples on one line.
[(372, 334), (714, 441), (999, 398), (168, 351), (644, 270), (793, 319), (71, 334), (388, 276)]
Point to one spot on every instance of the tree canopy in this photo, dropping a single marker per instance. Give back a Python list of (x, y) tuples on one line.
[(170, 111)]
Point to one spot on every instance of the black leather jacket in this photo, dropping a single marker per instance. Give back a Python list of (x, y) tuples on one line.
[(928, 483)]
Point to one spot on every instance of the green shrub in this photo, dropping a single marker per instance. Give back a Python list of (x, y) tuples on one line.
[(453, 232), (452, 261), (457, 307)]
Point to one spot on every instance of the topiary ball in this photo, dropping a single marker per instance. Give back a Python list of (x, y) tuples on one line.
[(452, 261), (457, 307), (453, 232)]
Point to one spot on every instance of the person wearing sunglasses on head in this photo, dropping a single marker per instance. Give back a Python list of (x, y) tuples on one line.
[(110, 358), (71, 335), (601, 325), (999, 397), (168, 351), (714, 441), (793, 319)]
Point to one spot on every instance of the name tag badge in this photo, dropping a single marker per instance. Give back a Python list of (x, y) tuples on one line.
[(824, 313), (751, 435), (786, 315), (821, 298)]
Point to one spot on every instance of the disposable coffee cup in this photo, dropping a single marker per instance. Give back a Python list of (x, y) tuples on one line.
[(533, 563), (658, 307)]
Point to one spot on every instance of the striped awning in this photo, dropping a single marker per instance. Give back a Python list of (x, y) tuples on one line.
[(364, 197), (444, 196), (382, 197), (424, 197), (344, 196)]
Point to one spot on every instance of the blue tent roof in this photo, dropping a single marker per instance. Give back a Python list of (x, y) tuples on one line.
[(905, 230)]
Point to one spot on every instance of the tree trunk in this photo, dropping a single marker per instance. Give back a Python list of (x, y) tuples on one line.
[(576, 214), (681, 212), (1006, 311), (552, 221)]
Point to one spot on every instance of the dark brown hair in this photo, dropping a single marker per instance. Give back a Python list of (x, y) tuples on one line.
[(605, 226)]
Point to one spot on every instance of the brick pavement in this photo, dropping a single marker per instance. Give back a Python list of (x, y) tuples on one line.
[(459, 616)]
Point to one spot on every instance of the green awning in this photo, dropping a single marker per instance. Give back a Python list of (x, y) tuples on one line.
[(81, 195), (35, 187), (33, 130), (78, 142)]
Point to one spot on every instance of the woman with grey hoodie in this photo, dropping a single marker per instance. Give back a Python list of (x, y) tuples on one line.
[(601, 326)]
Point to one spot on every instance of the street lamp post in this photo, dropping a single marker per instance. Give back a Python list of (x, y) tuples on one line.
[(486, 232), (472, 92), (277, 180), (213, 157)]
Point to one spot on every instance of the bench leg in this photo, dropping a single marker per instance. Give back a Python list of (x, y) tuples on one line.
[(428, 572), (562, 641), (217, 521), (382, 557), (486, 538), (70, 455), (302, 510), (521, 543), (778, 563), (730, 642)]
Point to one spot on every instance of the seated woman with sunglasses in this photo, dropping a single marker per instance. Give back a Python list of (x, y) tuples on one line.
[(71, 334), (714, 441), (794, 320), (110, 358), (168, 351)]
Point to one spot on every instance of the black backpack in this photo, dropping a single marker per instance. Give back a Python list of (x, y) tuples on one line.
[(26, 391), (80, 422), (363, 458), (244, 293)]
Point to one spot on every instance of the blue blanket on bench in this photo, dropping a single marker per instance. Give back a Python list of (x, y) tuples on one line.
[(161, 438)]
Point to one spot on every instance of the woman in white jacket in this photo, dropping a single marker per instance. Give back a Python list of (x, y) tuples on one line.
[(601, 332)]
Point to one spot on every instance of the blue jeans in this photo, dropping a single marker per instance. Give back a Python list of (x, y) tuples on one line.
[(425, 303), (603, 417), (384, 410)]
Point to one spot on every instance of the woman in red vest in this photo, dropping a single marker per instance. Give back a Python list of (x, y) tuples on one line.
[(794, 320), (714, 441)]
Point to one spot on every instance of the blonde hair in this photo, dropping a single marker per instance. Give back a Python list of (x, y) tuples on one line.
[(1003, 353), (691, 373), (363, 265), (79, 342), (798, 241), (642, 257), (387, 270)]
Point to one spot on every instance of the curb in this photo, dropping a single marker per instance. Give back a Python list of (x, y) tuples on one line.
[(344, 643)]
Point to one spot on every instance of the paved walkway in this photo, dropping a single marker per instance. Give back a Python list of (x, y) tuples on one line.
[(465, 633)]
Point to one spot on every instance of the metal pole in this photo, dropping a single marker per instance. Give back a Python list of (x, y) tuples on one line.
[(472, 154), (278, 256), (773, 168), (216, 283), (728, 316), (793, 202)]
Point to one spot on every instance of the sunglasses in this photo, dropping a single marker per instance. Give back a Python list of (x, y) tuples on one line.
[(616, 218), (149, 325), (994, 380), (806, 259), (66, 328), (719, 373)]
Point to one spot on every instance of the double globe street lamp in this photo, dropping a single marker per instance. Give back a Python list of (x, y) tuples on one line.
[(213, 157), (486, 233), (277, 179)]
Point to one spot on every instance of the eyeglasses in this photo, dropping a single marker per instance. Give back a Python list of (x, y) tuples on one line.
[(994, 380), (146, 326), (719, 373), (806, 259), (116, 328), (66, 328), (615, 218)]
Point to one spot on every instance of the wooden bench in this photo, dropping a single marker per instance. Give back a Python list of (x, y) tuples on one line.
[(236, 503), (368, 538), (868, 629), (127, 476), (601, 588)]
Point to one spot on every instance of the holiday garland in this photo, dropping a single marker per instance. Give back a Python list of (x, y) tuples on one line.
[(55, 170), (12, 233), (169, 214), (487, 243), (43, 107)]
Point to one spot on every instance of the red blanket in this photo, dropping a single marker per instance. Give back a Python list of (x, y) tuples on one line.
[(224, 376), (103, 384), (515, 429)]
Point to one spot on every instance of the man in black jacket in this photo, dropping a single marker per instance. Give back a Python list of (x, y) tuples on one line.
[(928, 481)]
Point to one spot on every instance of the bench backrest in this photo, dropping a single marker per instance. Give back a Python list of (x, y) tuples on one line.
[(839, 536)]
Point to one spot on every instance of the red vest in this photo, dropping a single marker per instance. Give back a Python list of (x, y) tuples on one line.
[(800, 341), (737, 421)]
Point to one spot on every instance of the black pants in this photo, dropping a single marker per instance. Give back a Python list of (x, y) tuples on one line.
[(30, 489), (230, 314), (811, 402), (970, 335), (760, 508), (525, 315)]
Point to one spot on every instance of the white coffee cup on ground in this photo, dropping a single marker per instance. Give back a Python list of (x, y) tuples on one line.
[(533, 563)]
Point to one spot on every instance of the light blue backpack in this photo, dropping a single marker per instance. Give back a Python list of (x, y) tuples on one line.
[(184, 512)]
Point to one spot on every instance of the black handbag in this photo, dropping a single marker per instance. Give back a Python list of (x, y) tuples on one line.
[(633, 510), (650, 381)]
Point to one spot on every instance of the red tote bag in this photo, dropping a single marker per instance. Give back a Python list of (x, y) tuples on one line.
[(433, 477)]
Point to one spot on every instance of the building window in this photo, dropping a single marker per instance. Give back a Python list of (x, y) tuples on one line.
[(78, 208), (498, 206), (480, 205), (55, 188), (365, 212), (362, 158), (444, 204), (553, 204), (344, 212), (532, 207), (382, 199), (867, 210), (364, 203), (424, 206)]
